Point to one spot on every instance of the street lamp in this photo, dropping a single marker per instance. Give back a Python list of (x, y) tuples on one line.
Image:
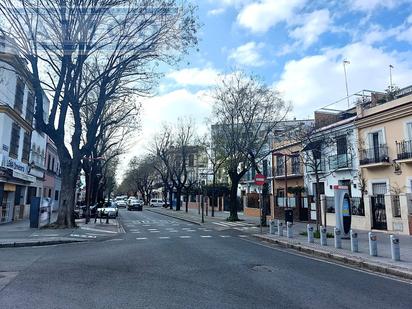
[(346, 62)]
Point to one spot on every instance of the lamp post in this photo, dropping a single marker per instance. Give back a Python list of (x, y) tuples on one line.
[(345, 62), (390, 77)]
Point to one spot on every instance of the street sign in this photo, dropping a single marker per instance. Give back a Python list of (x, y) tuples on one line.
[(260, 180)]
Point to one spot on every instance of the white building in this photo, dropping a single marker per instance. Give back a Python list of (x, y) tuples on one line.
[(22, 148)]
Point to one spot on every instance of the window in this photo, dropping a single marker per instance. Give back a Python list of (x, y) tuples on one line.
[(52, 167), (18, 98), (31, 192), (26, 147), (341, 145), (409, 130), (48, 162), (15, 140), (30, 108), (295, 165), (49, 192), (191, 160), (56, 195)]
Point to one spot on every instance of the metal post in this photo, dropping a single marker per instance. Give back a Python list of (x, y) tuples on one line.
[(280, 228), (323, 239), (286, 183), (395, 248), (373, 244), (354, 241), (261, 212), (203, 208), (309, 230), (289, 229), (89, 191), (272, 227), (338, 240)]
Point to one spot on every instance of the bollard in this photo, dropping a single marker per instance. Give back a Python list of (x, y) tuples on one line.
[(289, 229), (272, 226), (280, 228), (338, 239), (395, 248), (309, 230), (373, 244), (323, 239), (354, 241)]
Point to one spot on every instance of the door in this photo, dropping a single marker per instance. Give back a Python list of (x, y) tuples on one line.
[(303, 208), (5, 208), (378, 206)]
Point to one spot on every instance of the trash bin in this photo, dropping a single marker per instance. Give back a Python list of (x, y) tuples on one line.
[(289, 215)]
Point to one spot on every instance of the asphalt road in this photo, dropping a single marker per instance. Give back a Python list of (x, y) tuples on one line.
[(161, 262)]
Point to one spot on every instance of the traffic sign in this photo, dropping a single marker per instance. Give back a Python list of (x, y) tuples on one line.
[(260, 179)]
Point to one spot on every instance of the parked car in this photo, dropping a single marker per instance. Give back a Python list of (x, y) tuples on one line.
[(135, 204), (109, 209), (121, 201), (155, 202)]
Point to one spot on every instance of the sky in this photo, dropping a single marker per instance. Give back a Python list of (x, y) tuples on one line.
[(295, 46)]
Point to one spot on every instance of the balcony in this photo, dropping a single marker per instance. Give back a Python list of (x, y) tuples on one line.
[(404, 151), (376, 156), (340, 161), (313, 165), (294, 170)]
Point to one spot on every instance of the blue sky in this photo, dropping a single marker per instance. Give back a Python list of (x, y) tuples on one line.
[(296, 46)]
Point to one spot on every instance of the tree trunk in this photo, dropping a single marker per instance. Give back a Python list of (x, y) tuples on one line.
[(65, 217), (233, 199), (171, 198), (318, 211), (178, 195), (187, 202)]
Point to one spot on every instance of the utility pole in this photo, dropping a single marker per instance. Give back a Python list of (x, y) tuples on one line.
[(345, 62)]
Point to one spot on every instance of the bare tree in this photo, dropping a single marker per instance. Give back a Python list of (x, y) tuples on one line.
[(74, 46), (246, 114)]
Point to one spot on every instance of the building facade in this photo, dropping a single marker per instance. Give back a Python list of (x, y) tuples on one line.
[(22, 147), (385, 135)]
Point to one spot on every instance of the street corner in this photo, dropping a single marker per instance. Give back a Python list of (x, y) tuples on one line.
[(97, 230)]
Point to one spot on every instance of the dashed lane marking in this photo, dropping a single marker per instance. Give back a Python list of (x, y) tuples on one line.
[(141, 238), (164, 237), (184, 236), (205, 236)]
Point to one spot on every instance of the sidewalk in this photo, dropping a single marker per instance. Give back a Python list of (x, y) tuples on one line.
[(382, 263), (19, 234), (193, 215)]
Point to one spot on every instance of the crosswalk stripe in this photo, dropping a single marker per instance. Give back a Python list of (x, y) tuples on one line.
[(141, 238), (184, 236), (205, 236)]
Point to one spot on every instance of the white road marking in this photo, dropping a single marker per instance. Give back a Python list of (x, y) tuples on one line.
[(164, 237), (205, 236), (97, 230), (224, 236), (154, 231), (141, 238), (135, 232), (242, 236), (184, 236)]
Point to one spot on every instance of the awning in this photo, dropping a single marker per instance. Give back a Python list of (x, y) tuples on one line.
[(313, 145)]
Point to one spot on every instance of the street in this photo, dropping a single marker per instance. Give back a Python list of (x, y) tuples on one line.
[(161, 262)]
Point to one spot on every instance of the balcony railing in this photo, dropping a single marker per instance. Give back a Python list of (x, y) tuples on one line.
[(378, 154), (319, 165), (404, 150), (340, 161), (293, 170)]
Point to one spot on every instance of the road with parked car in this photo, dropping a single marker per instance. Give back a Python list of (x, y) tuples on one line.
[(162, 262)]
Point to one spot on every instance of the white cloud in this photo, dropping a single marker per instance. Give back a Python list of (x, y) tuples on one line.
[(168, 108), (216, 12), (262, 15), (370, 5), (315, 81), (314, 24), (195, 77), (248, 54)]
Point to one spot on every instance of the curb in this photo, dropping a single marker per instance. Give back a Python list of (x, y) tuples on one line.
[(176, 217), (38, 243), (352, 261)]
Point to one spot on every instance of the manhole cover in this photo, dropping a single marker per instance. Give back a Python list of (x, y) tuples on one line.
[(264, 268)]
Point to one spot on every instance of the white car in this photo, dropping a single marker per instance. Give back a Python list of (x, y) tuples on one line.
[(109, 209), (121, 203), (156, 202)]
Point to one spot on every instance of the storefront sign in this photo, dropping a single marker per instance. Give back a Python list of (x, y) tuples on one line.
[(23, 176), (16, 165)]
